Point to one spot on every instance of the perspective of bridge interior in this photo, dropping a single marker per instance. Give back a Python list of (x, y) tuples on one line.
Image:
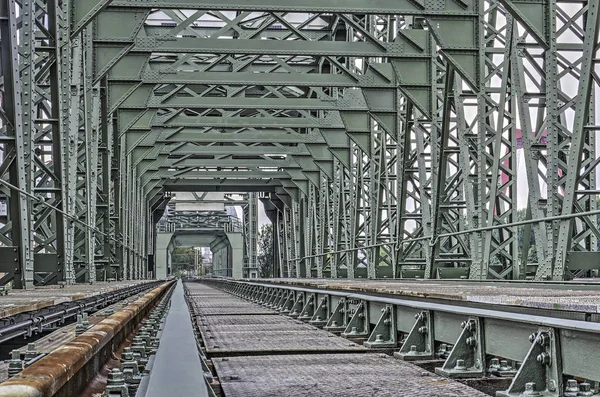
[(289, 198)]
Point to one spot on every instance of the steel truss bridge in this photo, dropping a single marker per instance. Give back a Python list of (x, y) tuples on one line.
[(382, 136)]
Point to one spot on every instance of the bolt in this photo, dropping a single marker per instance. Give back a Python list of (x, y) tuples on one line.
[(378, 338), (585, 389), (15, 365), (494, 363), (80, 328), (543, 339), (530, 390), (504, 366), (471, 341), (31, 352), (460, 365), (543, 358), (413, 349), (532, 337), (423, 330), (571, 388), (115, 385)]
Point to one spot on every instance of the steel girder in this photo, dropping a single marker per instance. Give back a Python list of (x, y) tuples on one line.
[(355, 234), (402, 149)]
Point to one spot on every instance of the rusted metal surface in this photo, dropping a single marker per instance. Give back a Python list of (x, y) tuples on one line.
[(50, 375), (564, 296), (332, 375), (66, 334), (19, 301)]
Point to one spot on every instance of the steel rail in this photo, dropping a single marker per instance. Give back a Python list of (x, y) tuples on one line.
[(541, 349)]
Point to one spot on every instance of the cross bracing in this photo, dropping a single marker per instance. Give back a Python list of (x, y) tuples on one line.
[(383, 138)]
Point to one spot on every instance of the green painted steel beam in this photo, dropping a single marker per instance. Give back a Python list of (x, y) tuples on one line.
[(238, 174), (245, 122), (406, 7), (168, 76), (261, 47), (235, 150), (243, 136), (228, 185), (189, 102)]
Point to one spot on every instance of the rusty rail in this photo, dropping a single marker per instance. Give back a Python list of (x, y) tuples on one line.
[(67, 370)]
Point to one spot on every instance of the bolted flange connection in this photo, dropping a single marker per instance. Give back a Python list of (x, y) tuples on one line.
[(540, 373), (467, 358), (130, 370), (80, 327), (16, 364), (31, 352), (116, 386), (576, 389), (501, 368)]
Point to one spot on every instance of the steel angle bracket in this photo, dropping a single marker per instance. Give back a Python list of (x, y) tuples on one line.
[(358, 326), (275, 298), (298, 305), (541, 371), (338, 321), (467, 359), (288, 304), (419, 344), (321, 315), (385, 334), (308, 310)]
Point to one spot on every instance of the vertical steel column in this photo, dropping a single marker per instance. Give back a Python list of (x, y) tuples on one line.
[(15, 153)]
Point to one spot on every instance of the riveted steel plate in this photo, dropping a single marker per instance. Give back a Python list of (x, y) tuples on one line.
[(332, 375), (249, 342)]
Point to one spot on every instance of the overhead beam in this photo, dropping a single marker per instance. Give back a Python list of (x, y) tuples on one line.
[(226, 185), (200, 45), (169, 76), (406, 7)]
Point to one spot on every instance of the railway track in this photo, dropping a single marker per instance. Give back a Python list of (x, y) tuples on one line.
[(509, 332)]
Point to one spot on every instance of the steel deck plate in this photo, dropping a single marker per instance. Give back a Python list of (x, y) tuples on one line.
[(298, 340), (237, 310), (332, 375), (228, 305), (244, 320), (223, 302)]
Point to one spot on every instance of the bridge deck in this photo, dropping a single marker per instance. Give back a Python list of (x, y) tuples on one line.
[(571, 296), (265, 355), (357, 375), (19, 301)]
